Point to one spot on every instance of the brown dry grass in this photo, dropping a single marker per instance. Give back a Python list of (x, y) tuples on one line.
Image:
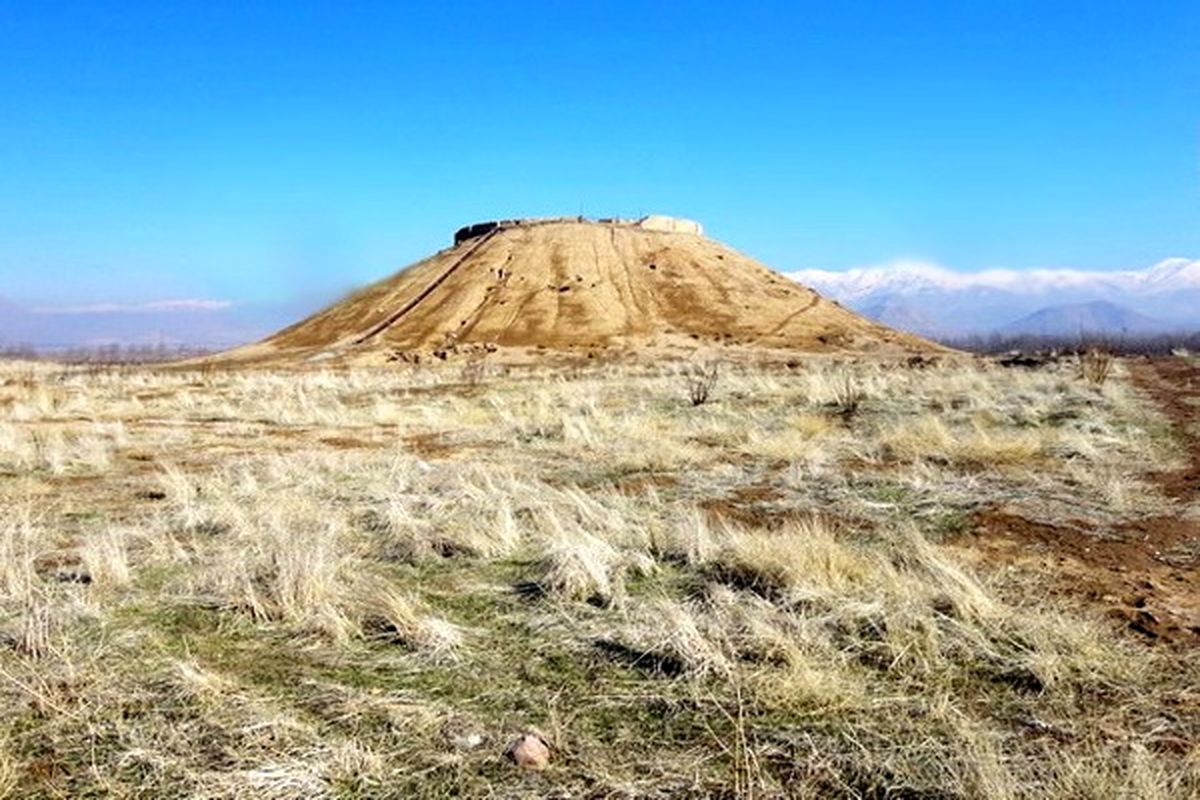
[(362, 584)]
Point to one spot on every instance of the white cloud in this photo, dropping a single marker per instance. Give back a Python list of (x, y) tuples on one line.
[(185, 305), (912, 277)]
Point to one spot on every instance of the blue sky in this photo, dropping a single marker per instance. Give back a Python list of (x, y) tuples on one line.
[(155, 151)]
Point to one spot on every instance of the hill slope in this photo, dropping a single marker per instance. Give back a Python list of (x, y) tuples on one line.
[(582, 287)]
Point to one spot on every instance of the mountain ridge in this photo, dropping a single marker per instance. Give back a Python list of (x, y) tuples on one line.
[(986, 301), (1098, 317)]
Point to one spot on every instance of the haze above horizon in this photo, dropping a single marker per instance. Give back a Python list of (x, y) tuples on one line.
[(195, 153)]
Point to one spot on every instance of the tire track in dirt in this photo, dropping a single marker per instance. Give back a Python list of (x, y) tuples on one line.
[(1175, 385), (1144, 571)]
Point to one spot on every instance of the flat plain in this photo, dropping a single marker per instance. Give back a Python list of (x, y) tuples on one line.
[(932, 578)]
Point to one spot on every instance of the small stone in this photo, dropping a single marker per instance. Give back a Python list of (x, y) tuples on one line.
[(466, 741), (529, 751)]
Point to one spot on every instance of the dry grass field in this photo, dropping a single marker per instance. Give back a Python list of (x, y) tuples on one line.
[(831, 580)]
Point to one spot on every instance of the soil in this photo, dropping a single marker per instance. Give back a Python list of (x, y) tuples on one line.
[(762, 506), (1144, 572), (749, 506)]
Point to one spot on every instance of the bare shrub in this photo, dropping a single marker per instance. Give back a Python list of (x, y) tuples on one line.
[(701, 379), (474, 370), (847, 394), (1095, 366)]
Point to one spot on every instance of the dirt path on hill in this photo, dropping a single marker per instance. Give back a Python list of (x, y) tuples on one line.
[(1146, 571)]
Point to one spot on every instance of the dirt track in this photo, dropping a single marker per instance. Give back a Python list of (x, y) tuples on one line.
[(1145, 571)]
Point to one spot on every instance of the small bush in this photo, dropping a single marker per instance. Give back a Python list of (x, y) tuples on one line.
[(848, 395), (701, 380), (473, 371), (1095, 366)]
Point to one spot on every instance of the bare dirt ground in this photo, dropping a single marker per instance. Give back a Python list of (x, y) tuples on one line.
[(1145, 571)]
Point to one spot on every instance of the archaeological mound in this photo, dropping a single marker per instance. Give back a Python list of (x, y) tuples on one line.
[(582, 288)]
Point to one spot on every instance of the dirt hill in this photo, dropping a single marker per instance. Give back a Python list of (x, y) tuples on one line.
[(579, 287)]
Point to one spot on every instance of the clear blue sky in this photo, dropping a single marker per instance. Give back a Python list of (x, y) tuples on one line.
[(260, 151)]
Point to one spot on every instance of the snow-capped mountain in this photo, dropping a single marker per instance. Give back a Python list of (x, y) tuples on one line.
[(979, 302)]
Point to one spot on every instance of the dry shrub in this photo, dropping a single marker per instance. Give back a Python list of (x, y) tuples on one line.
[(904, 606), (847, 394), (700, 380), (585, 546), (296, 565), (289, 561), (59, 451), (810, 426), (36, 622), (10, 773), (20, 544), (468, 512), (443, 527), (29, 609), (1095, 365), (804, 437)]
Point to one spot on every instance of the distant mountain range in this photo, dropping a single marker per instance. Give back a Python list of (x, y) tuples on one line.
[(933, 300), (912, 296), (171, 323), (1082, 319), (896, 312)]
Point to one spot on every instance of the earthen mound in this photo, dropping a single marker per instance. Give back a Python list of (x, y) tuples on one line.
[(578, 287)]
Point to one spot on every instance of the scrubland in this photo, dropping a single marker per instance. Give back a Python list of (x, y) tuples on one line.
[(365, 583)]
